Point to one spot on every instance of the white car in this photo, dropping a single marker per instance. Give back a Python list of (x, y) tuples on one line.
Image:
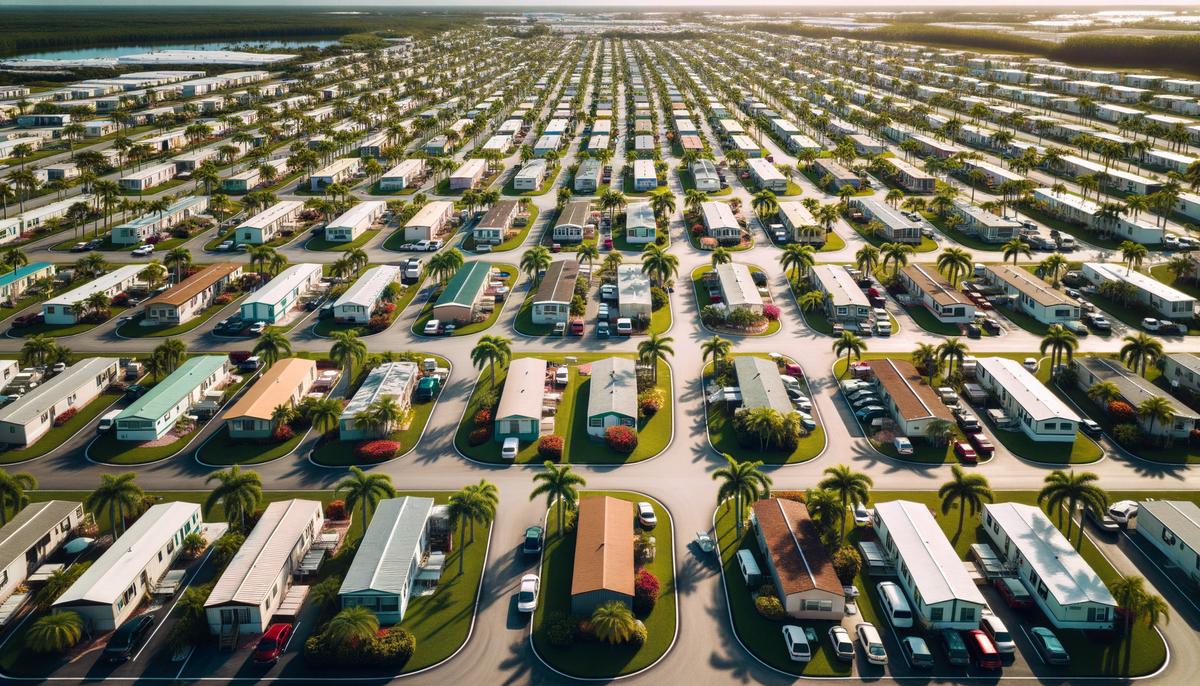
[(1122, 511), (646, 516), (903, 445), (994, 627), (509, 448), (843, 647), (527, 597), (258, 327), (562, 375), (868, 635), (431, 327), (1031, 364), (797, 643), (862, 516), (624, 326), (225, 246)]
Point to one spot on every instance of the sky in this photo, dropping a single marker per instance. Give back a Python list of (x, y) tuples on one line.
[(593, 4)]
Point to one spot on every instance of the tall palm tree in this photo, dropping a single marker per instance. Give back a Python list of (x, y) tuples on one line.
[(1016, 248), (925, 357), (324, 413), (467, 506), (966, 491), (347, 350), (744, 483), (797, 259), (660, 265), (1053, 267), (179, 259), (561, 486), (365, 490), (850, 344), (766, 423), (489, 496), (718, 349), (13, 494), (951, 353), (896, 254), (853, 488), (352, 626), (613, 622), (1071, 489), (721, 256), (535, 261), (118, 494), (271, 347), (588, 252), (653, 349), (1139, 351), (489, 351), (1155, 410), (867, 259), (1103, 392), (1061, 343), (1132, 254), (955, 263), (238, 493)]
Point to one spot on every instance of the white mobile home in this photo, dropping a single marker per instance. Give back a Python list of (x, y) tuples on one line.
[(640, 224), (358, 302), (845, 301), (354, 221), (468, 175), (257, 579), (519, 413), (531, 175), (403, 175), (1135, 390), (272, 302), (738, 290), (32, 535), (389, 558), (644, 176), (942, 594), (395, 380), (633, 292), (1173, 527), (705, 177), (189, 298), (766, 175), (976, 221), (552, 301), (339, 171), (572, 222), (430, 221), (612, 395), (497, 223), (912, 403), (1061, 582), (111, 589), (29, 417), (720, 222), (945, 302), (63, 309), (1040, 414), (145, 179), (153, 223), (1154, 295), (1032, 295), (266, 225), (896, 227)]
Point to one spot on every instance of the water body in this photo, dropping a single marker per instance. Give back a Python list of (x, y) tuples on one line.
[(118, 51)]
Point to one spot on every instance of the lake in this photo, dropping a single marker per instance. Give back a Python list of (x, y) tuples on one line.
[(118, 51)]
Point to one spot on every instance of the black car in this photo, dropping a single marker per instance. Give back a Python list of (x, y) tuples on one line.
[(128, 638), (973, 331), (532, 545)]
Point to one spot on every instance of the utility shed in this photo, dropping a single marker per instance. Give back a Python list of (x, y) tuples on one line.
[(603, 569), (389, 557), (258, 577)]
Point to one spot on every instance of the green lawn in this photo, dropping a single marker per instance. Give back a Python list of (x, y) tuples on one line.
[(59, 434), (426, 313), (318, 242), (723, 438), (959, 236), (592, 659), (524, 322), (833, 242), (654, 433), (134, 329), (335, 453), (925, 319), (700, 294), (688, 183), (547, 184), (222, 449), (60, 330), (326, 327), (1164, 275), (760, 635), (517, 239)]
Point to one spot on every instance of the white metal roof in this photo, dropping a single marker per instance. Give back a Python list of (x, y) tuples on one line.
[(524, 389), (370, 285), (272, 214), (385, 554), (119, 277), (764, 170), (1113, 272), (1067, 576), (639, 215), (31, 405), (935, 568), (1024, 387), (760, 384), (287, 281), (387, 380), (737, 285), (613, 388), (120, 565), (362, 214), (248, 578), (643, 169), (430, 214), (633, 286), (718, 215), (837, 282)]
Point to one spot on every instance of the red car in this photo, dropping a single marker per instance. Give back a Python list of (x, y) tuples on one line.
[(576, 327), (1014, 593), (272, 643), (983, 650), (981, 444), (965, 452)]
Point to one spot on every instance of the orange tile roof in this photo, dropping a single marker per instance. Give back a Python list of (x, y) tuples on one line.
[(603, 546)]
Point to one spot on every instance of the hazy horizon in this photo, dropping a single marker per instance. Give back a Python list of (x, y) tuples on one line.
[(824, 5)]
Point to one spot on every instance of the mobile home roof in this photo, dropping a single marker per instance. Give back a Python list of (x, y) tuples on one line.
[(29, 406), (29, 526), (167, 393), (613, 388), (367, 289), (250, 576), (935, 568), (103, 283), (759, 382), (273, 388), (1024, 387), (385, 554), (280, 286), (524, 389), (466, 284)]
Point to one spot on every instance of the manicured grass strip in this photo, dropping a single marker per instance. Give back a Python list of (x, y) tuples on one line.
[(223, 449), (426, 313), (925, 319), (926, 244), (57, 435), (318, 242), (760, 635), (724, 439), (592, 659)]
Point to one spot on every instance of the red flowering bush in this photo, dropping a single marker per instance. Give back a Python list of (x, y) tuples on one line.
[(698, 230), (375, 451), (483, 417), (389, 307), (282, 433), (223, 299), (771, 311), (645, 592), (622, 439), (309, 215), (378, 323), (64, 417), (336, 510), (550, 447), (1121, 411), (480, 436)]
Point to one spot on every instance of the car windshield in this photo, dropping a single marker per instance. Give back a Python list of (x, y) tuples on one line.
[(525, 596), (875, 649), (266, 644), (799, 647), (1002, 637), (844, 647)]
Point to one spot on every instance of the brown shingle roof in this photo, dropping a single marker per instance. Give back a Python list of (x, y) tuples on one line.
[(800, 559), (558, 285), (934, 285), (907, 388), (189, 287), (603, 546)]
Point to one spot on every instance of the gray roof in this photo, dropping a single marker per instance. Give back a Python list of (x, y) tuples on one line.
[(558, 285), (385, 554), (251, 574), (613, 389), (760, 384), (29, 406), (524, 389), (1182, 517), (1133, 388), (28, 527)]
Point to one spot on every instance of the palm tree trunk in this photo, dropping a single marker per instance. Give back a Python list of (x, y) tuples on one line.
[(843, 518), (962, 512), (461, 553)]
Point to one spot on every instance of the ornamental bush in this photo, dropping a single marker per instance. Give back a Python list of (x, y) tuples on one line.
[(1121, 411), (645, 592), (650, 402), (658, 298), (769, 607), (550, 447), (771, 311), (377, 450), (379, 323), (1127, 434), (282, 433), (65, 416), (847, 563), (622, 439), (483, 417), (560, 630), (479, 436), (389, 648), (335, 511)]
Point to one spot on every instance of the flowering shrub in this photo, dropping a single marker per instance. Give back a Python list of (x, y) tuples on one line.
[(645, 592), (480, 436), (282, 433), (698, 230), (336, 510), (120, 298), (309, 215), (769, 607), (389, 307), (378, 323), (1121, 411), (622, 439), (650, 402), (223, 299), (550, 446), (64, 417), (483, 417), (771, 311), (376, 450)]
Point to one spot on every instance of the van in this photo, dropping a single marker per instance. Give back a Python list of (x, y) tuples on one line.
[(107, 421), (895, 605), (982, 650), (749, 567)]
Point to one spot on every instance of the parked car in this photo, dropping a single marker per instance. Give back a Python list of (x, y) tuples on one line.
[(965, 452), (1090, 427), (272, 643), (796, 643), (983, 651), (1030, 364), (1103, 520), (645, 515), (257, 327), (870, 412), (509, 448), (917, 651), (903, 445), (983, 447), (532, 543), (1014, 593), (994, 627), (562, 376), (576, 327), (872, 643), (968, 422), (955, 647), (839, 640), (603, 330), (107, 421), (128, 638), (560, 328), (1122, 511), (608, 292), (527, 596), (624, 326), (1077, 328), (602, 312), (1048, 646)]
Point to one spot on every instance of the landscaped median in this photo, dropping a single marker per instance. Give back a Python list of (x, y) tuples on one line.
[(722, 422), (567, 641), (506, 273), (476, 439), (740, 321), (325, 328)]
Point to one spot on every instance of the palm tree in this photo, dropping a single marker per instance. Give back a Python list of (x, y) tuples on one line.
[(1103, 392), (955, 263), (797, 259), (588, 252), (718, 349), (54, 633), (238, 493), (721, 256), (660, 265), (468, 505), (764, 204), (37, 349), (653, 349), (118, 494), (613, 622), (535, 261), (1060, 342), (766, 423), (1015, 248), (1132, 254), (867, 259), (744, 483), (361, 488), (1072, 488), (179, 259), (560, 485), (347, 350), (1052, 268), (850, 344), (271, 347), (925, 357), (1139, 351), (324, 413), (853, 488), (951, 353), (895, 253), (490, 350), (966, 491), (172, 352), (1137, 603), (352, 626), (1155, 409), (13, 494)]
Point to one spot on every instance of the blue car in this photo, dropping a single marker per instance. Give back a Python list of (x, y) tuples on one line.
[(870, 412)]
